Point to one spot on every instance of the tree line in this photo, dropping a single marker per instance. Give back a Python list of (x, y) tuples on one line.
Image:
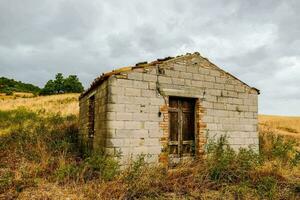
[(59, 85), (8, 86)]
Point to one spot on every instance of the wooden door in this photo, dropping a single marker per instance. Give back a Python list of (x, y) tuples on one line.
[(181, 127)]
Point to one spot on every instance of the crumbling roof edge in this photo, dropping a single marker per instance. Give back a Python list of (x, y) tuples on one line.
[(99, 80), (105, 76)]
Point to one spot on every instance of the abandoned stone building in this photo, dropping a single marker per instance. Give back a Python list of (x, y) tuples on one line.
[(167, 109)]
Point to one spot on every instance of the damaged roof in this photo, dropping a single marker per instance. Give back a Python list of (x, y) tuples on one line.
[(104, 76)]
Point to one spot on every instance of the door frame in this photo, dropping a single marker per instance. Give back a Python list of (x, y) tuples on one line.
[(180, 142)]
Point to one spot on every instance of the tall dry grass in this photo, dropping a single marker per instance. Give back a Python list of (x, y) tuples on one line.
[(40, 159), (64, 104), (282, 125)]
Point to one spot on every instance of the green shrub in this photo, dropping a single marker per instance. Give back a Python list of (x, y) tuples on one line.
[(67, 172), (99, 165), (142, 180), (226, 165), (276, 147), (135, 169), (267, 187), (6, 180)]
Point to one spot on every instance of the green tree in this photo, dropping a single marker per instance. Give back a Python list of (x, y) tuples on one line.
[(59, 83), (49, 88), (72, 84)]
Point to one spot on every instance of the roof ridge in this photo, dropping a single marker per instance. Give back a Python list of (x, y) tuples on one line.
[(145, 64)]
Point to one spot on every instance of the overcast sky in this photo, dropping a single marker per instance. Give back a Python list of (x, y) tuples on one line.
[(257, 41)]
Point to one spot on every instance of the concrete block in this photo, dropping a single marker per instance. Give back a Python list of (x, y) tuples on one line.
[(135, 76), (221, 80), (152, 85), (157, 101), (197, 83), (208, 119), (124, 83), (154, 109), (134, 125), (192, 69), (115, 107), (132, 108), (215, 73), (207, 84), (163, 79), (219, 106), (140, 84), (152, 125), (211, 98), (219, 86), (124, 133), (239, 88), (253, 109), (178, 81), (249, 128), (236, 101), (140, 116), (149, 93), (132, 92), (115, 124), (149, 77), (172, 73), (123, 116), (229, 87), (186, 75), (125, 99), (140, 133), (203, 71), (154, 117), (209, 78), (179, 67), (188, 82), (198, 77), (155, 133)]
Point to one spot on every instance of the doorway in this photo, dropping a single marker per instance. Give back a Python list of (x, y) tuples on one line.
[(181, 127)]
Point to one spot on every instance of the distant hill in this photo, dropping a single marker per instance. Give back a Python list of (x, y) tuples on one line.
[(9, 86)]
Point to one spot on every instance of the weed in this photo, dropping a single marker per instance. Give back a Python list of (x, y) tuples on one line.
[(227, 165), (267, 187), (99, 165)]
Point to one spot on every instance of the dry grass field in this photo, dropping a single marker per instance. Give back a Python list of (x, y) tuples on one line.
[(282, 125), (41, 158), (64, 104)]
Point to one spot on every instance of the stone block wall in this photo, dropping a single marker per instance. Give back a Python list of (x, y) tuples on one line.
[(135, 113), (100, 129)]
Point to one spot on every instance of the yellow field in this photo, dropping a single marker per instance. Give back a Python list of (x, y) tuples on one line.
[(15, 95), (64, 104), (68, 104), (283, 125)]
